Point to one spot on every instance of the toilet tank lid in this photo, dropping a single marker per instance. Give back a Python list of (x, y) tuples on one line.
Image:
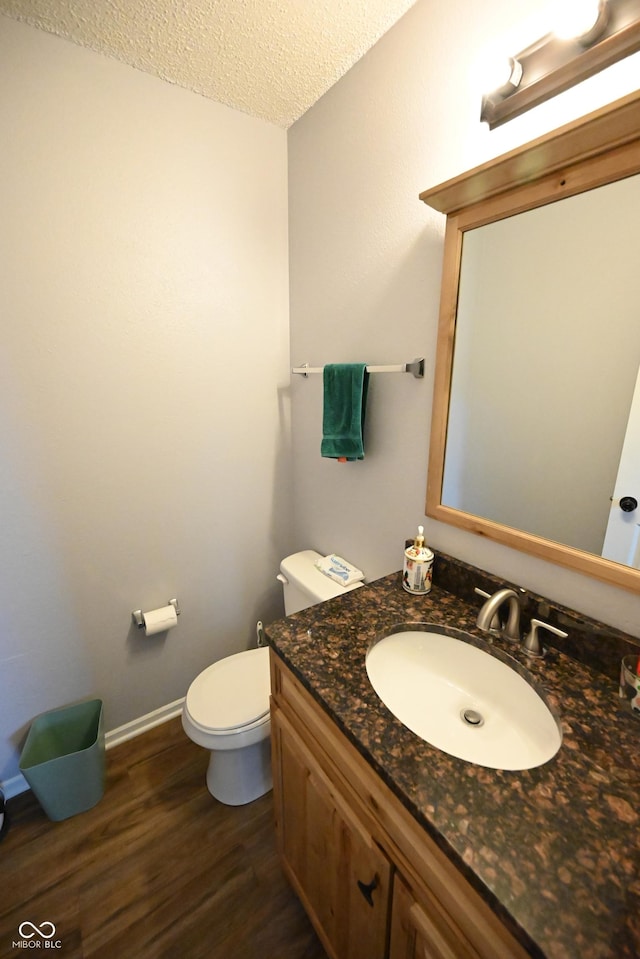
[(300, 570)]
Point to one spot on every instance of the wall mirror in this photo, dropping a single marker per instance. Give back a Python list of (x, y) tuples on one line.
[(535, 436)]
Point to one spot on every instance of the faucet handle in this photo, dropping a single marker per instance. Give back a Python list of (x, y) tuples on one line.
[(531, 642), (495, 621)]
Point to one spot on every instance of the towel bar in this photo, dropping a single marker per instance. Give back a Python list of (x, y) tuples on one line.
[(416, 367)]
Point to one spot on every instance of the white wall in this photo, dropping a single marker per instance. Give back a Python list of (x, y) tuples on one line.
[(145, 447), (365, 262)]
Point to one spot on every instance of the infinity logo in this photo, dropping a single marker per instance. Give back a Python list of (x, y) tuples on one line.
[(39, 930)]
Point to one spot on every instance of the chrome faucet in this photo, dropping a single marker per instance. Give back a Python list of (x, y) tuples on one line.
[(531, 643), (488, 615), (489, 621)]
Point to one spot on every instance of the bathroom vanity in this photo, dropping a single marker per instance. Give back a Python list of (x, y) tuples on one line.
[(361, 864), (399, 850)]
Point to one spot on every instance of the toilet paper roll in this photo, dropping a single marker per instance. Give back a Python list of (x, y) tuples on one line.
[(159, 620)]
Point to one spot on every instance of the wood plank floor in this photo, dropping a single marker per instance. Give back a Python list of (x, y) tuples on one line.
[(157, 869)]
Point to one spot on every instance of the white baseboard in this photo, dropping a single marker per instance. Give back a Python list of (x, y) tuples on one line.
[(142, 725), (18, 784), (14, 786)]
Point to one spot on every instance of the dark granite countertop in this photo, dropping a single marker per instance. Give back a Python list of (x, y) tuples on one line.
[(554, 850)]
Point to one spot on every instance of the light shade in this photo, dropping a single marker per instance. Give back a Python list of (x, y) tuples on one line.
[(502, 76), (582, 20)]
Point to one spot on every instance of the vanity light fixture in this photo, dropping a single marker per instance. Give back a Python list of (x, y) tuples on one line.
[(605, 32)]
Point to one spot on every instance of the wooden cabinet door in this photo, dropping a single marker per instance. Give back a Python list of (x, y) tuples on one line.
[(422, 932), (342, 877)]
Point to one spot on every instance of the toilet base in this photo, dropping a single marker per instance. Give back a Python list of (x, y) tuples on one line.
[(238, 776)]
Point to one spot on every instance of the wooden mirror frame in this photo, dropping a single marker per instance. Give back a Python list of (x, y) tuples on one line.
[(600, 148)]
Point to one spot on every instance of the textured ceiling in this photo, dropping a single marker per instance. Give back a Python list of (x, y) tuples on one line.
[(269, 58)]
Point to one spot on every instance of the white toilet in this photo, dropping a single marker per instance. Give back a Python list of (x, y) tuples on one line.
[(226, 709)]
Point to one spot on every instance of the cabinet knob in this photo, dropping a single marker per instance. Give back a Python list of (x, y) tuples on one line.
[(367, 889), (628, 504)]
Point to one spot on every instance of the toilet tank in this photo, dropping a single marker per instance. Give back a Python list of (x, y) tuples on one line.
[(304, 585)]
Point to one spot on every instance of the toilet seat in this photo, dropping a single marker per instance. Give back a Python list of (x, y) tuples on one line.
[(232, 695), (226, 710), (233, 730)]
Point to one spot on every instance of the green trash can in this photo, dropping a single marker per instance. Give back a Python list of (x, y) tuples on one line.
[(63, 759)]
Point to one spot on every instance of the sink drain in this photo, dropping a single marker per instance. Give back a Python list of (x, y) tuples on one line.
[(472, 717)]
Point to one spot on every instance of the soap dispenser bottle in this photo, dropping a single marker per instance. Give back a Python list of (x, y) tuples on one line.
[(418, 566)]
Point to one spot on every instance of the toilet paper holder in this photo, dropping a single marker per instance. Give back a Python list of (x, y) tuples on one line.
[(138, 615)]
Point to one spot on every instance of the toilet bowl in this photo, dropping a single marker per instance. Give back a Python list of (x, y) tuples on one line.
[(226, 709)]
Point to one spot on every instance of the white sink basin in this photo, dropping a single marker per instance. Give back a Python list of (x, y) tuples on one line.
[(462, 700)]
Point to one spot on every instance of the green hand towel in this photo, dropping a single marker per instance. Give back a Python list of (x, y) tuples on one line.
[(345, 398)]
